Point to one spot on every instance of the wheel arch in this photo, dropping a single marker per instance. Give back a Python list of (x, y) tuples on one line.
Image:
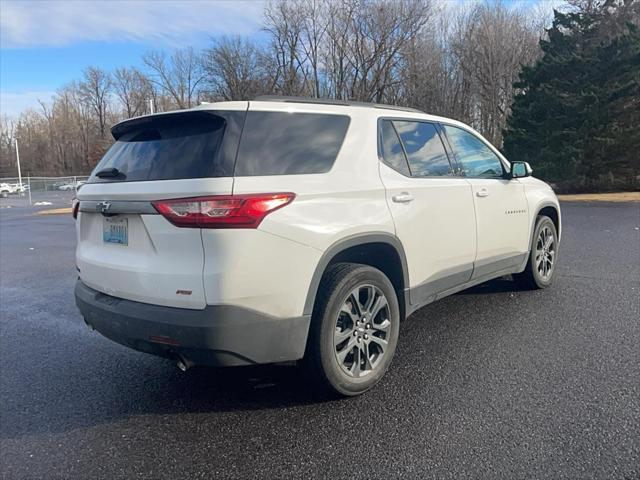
[(551, 210), (383, 251)]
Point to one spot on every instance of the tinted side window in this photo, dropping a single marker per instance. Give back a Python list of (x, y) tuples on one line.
[(425, 151), (391, 150), (475, 158), (282, 143)]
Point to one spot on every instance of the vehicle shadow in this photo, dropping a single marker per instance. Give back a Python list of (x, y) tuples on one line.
[(499, 285), (139, 384), (102, 383)]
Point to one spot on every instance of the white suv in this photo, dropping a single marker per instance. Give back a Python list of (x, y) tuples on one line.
[(284, 229)]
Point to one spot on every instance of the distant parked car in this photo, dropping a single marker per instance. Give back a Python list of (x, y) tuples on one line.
[(55, 186), (71, 186), (19, 188), (9, 188), (5, 190)]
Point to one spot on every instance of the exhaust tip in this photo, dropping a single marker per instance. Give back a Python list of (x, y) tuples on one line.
[(183, 364)]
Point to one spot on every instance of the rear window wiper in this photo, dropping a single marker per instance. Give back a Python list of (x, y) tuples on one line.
[(110, 173)]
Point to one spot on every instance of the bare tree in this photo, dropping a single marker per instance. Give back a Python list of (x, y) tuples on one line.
[(178, 76), (77, 128), (336, 52), (284, 23), (94, 90), (133, 90), (313, 32), (345, 49), (380, 31), (492, 45), (236, 69), (430, 75), (7, 153)]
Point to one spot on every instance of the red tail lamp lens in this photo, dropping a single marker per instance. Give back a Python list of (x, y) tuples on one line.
[(222, 211)]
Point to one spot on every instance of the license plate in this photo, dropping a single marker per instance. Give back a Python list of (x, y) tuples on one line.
[(115, 230)]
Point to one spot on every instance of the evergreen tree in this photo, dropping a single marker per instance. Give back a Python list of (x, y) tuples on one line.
[(576, 118), (620, 148)]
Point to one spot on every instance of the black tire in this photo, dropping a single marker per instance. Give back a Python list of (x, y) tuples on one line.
[(329, 319), (532, 278)]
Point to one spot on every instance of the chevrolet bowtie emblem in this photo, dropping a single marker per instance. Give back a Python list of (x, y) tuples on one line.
[(103, 207)]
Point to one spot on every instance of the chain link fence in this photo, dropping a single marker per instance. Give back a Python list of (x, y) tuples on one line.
[(58, 191)]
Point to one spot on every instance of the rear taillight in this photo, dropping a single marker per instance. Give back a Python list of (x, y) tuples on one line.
[(222, 211), (75, 206)]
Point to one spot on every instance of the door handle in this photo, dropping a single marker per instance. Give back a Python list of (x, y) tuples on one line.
[(483, 192), (403, 197)]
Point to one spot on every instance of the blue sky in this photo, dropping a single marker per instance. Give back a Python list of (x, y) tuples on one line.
[(47, 43)]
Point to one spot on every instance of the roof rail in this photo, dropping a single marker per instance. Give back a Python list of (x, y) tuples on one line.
[(331, 101)]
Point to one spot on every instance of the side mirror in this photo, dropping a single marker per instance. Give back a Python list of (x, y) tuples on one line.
[(520, 169)]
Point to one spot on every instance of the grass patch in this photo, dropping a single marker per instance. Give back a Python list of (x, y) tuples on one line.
[(54, 211), (602, 197)]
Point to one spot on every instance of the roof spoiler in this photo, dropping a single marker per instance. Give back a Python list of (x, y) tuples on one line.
[(125, 126)]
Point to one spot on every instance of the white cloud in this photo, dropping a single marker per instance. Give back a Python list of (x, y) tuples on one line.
[(173, 23), (14, 103)]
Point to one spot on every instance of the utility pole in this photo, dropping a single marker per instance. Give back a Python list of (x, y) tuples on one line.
[(18, 160), (151, 106)]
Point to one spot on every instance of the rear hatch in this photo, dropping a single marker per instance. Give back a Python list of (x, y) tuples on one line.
[(125, 248)]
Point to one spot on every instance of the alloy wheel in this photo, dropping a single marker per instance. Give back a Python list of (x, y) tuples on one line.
[(545, 252), (362, 330)]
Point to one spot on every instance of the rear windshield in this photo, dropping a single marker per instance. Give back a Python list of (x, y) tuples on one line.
[(166, 147), (282, 143)]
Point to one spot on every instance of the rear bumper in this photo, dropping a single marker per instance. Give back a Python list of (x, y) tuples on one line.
[(218, 335)]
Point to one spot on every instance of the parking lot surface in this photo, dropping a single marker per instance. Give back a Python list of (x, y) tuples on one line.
[(489, 383)]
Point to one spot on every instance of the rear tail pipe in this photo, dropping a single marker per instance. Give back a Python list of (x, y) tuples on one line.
[(183, 364)]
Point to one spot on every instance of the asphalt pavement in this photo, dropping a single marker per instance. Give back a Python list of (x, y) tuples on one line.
[(489, 383)]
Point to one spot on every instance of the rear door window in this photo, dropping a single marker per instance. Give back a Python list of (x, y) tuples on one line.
[(174, 146), (283, 143), (425, 151)]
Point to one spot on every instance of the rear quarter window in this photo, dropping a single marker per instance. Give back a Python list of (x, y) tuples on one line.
[(283, 143), (390, 148)]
